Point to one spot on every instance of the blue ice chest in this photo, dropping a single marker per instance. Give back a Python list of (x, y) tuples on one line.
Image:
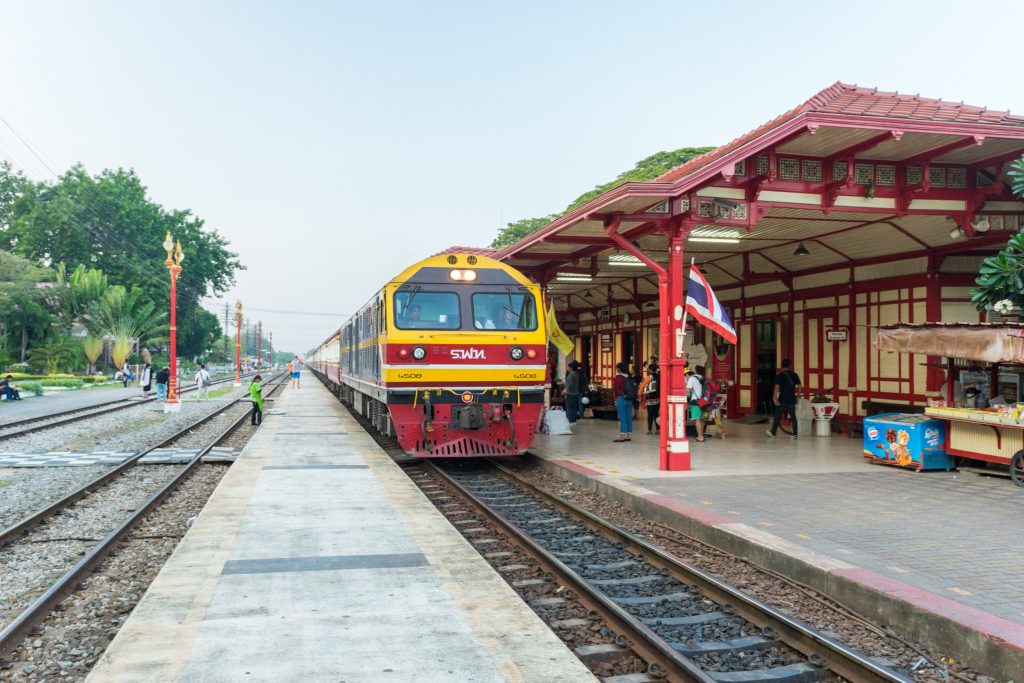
[(914, 441)]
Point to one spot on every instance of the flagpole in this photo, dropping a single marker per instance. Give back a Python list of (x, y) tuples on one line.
[(682, 340)]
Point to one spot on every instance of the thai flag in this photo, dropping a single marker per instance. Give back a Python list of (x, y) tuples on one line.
[(702, 304)]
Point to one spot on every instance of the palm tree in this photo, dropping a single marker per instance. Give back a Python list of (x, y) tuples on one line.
[(126, 318), (57, 352)]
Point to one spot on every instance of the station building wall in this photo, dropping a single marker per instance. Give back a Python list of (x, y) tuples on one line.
[(852, 300)]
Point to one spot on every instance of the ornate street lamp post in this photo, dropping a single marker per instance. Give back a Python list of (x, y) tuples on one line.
[(259, 344), (238, 343), (173, 262)]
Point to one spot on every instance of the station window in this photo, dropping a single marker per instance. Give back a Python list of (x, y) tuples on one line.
[(504, 311), (417, 310)]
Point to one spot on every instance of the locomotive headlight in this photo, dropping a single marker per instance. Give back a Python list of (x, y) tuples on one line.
[(462, 275), (419, 353), (516, 352)]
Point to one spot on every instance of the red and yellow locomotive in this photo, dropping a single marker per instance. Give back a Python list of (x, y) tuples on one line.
[(449, 357)]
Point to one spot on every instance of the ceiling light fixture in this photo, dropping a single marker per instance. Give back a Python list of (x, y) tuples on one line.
[(801, 250), (625, 260), (717, 240), (573, 277), (982, 225)]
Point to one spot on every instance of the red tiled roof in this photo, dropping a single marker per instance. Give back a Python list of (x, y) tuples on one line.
[(850, 100), (479, 251)]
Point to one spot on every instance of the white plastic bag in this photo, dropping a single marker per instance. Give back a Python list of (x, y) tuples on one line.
[(556, 423)]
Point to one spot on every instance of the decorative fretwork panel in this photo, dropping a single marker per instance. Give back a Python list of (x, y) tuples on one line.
[(762, 165), (885, 175), (741, 167), (863, 174), (789, 169), (812, 171), (956, 178), (704, 209), (914, 175), (838, 170), (938, 176)]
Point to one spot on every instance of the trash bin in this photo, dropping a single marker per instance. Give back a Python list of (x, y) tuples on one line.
[(804, 415)]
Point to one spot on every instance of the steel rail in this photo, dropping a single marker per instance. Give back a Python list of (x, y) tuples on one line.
[(86, 412), (29, 521), (35, 613), (645, 642), (839, 658)]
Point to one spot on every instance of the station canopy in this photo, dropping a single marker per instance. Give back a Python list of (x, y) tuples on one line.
[(851, 178)]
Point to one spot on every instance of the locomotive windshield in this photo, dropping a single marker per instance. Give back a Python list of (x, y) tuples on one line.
[(504, 311), (418, 310)]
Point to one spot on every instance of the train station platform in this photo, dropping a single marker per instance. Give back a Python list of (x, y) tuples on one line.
[(318, 559), (936, 554)]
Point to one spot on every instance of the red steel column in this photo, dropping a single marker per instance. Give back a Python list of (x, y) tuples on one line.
[(675, 448)]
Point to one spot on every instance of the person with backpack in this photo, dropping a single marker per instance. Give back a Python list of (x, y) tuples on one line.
[(203, 383), (787, 383), (624, 390), (652, 397), (696, 388)]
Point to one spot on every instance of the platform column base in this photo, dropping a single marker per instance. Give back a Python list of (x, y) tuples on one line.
[(675, 453)]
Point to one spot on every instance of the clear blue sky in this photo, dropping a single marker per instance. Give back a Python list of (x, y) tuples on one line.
[(335, 143)]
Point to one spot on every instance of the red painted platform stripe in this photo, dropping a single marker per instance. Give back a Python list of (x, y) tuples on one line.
[(570, 465), (991, 626), (702, 515)]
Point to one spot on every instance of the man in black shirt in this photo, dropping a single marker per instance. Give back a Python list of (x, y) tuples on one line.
[(786, 384)]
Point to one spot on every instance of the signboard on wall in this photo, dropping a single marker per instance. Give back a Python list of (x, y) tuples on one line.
[(606, 342), (836, 335)]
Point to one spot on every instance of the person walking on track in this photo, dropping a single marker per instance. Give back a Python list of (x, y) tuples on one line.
[(296, 373), (624, 389), (146, 379), (787, 383), (203, 382), (256, 396), (163, 376)]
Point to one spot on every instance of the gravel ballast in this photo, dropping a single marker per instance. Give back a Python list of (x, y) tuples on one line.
[(25, 490), (73, 637)]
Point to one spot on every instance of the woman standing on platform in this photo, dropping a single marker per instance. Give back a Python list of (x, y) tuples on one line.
[(624, 389), (652, 398)]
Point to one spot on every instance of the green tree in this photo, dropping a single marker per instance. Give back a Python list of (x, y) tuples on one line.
[(24, 314), (645, 170), (1001, 277), (107, 222)]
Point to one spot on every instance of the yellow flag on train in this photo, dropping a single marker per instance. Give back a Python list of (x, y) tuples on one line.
[(555, 334)]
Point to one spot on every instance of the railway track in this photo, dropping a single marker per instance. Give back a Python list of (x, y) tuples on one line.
[(16, 630), (9, 430), (688, 625)]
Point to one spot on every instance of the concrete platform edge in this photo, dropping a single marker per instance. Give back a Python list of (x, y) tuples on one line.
[(993, 645)]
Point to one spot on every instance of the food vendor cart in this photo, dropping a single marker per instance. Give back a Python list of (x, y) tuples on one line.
[(994, 434)]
